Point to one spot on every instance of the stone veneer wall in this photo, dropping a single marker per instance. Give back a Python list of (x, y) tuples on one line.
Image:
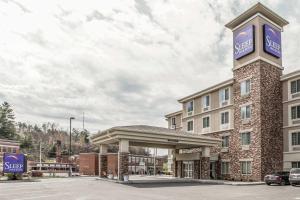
[(123, 162), (204, 162), (197, 169), (103, 165), (265, 124), (272, 119)]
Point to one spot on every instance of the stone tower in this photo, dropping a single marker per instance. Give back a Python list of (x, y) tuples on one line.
[(257, 139)]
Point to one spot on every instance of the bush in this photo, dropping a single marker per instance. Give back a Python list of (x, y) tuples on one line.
[(11, 176), (36, 174)]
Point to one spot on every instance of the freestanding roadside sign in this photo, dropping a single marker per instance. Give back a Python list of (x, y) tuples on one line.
[(14, 163)]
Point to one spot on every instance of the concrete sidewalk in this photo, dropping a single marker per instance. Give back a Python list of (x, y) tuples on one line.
[(137, 179)]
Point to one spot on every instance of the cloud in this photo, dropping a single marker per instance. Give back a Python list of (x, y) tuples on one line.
[(121, 62)]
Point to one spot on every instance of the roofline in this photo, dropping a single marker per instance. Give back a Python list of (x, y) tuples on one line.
[(290, 75), (173, 114), (257, 8), (207, 90)]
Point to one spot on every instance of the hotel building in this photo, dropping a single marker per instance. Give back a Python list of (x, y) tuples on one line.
[(256, 113)]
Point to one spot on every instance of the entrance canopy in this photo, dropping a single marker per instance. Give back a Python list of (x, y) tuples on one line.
[(151, 136)]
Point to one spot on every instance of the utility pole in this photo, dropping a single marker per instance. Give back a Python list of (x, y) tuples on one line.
[(40, 155), (70, 167), (83, 122), (154, 161)]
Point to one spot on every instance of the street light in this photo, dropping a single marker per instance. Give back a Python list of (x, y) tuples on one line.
[(70, 168)]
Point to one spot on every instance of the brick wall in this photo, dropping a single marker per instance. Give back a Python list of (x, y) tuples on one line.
[(88, 164)]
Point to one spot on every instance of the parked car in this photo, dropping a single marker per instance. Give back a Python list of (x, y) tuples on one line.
[(295, 176), (281, 178)]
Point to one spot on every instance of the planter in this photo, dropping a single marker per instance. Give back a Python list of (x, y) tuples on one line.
[(126, 178), (110, 176)]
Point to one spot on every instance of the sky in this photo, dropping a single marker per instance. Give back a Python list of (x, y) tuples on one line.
[(121, 62)]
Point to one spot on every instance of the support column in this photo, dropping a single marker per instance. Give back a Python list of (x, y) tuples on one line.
[(103, 160), (123, 156), (205, 163)]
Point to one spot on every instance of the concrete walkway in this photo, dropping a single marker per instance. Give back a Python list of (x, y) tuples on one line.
[(139, 179)]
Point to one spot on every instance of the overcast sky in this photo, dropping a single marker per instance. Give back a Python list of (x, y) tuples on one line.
[(121, 62)]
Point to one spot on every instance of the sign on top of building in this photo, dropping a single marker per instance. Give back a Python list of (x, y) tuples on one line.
[(272, 41), (243, 42)]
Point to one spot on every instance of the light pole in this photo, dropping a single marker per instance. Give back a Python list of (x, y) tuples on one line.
[(70, 167)]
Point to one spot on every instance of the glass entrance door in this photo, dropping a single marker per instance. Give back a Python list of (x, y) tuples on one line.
[(188, 169), (213, 170)]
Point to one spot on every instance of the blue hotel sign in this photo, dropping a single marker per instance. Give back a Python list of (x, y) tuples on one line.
[(272, 41), (243, 42), (14, 163)]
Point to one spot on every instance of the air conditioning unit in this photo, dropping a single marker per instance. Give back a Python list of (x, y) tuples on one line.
[(206, 109), (296, 122), (295, 95), (190, 113), (225, 103), (173, 126), (296, 148)]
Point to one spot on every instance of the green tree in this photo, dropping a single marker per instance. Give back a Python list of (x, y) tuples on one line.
[(7, 121)]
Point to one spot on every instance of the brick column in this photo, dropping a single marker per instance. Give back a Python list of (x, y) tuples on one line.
[(103, 166), (102, 160), (123, 164), (123, 156), (205, 165)]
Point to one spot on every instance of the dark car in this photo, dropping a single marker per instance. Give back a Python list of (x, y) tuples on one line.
[(281, 178)]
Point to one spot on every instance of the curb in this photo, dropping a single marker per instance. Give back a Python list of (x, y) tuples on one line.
[(20, 181)]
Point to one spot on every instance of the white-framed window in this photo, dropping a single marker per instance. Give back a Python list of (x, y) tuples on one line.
[(205, 122), (225, 118), (296, 164), (296, 139), (245, 112), (245, 138), (190, 107), (224, 95), (295, 86), (246, 167), (190, 126), (188, 169), (206, 101), (295, 112), (225, 141), (245, 87), (225, 168)]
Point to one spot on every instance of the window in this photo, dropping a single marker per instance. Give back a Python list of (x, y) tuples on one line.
[(190, 106), (205, 122), (173, 121), (225, 141), (246, 167), (295, 110), (224, 95), (190, 125), (225, 167), (296, 164), (9, 149), (296, 138), (245, 138), (225, 118), (295, 86), (188, 169), (14, 150), (245, 112), (206, 102), (245, 87), (4, 149)]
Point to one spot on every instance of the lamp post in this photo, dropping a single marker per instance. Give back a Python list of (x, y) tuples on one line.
[(70, 167)]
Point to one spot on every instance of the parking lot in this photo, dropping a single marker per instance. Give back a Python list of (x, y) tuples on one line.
[(86, 188)]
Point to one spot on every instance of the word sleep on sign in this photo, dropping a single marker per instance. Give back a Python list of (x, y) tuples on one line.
[(272, 41), (14, 163), (243, 41)]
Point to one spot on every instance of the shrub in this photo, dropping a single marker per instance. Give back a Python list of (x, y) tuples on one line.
[(36, 174), (12, 176)]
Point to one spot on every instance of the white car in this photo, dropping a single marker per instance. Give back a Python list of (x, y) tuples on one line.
[(294, 177)]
